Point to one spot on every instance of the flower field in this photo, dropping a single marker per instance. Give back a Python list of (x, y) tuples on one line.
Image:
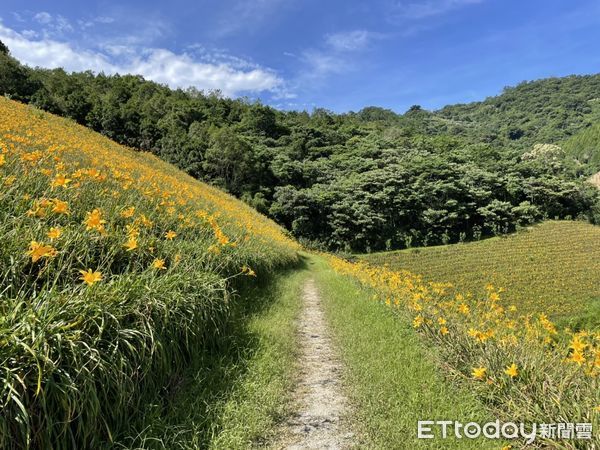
[(522, 365), (553, 268), (114, 267)]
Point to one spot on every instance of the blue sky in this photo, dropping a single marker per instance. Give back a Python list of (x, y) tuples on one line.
[(341, 55)]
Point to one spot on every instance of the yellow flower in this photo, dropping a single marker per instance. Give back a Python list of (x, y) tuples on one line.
[(2, 160), (479, 373), (512, 370), (60, 207), (94, 221), (441, 321), (132, 231), (131, 244), (159, 264), (89, 277), (418, 321), (60, 181), (128, 212), (444, 330), (9, 181), (464, 308), (248, 271), (54, 233), (37, 251), (170, 235), (577, 345), (494, 297), (577, 357)]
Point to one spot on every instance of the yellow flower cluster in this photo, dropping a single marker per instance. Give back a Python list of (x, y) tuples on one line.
[(78, 184), (437, 310)]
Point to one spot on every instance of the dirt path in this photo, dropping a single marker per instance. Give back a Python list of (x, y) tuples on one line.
[(318, 420)]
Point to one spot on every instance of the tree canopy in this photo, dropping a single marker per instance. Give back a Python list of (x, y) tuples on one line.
[(359, 181)]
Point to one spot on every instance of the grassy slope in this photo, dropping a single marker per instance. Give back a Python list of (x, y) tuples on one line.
[(394, 379), (167, 250), (553, 267), (233, 397)]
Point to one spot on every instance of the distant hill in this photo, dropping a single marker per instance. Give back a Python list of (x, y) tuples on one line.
[(542, 111)]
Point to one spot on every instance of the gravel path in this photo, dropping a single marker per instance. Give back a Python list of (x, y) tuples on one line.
[(318, 419)]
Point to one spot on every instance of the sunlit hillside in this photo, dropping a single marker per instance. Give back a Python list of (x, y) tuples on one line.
[(585, 146), (114, 266), (553, 267)]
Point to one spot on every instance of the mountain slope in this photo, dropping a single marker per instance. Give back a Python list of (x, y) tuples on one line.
[(541, 111), (359, 181)]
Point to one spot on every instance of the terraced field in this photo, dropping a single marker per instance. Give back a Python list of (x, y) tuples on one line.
[(553, 268)]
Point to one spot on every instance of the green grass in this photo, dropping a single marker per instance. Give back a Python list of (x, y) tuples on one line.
[(394, 380), (232, 397), (553, 268)]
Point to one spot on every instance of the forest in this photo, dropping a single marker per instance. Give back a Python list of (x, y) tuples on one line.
[(358, 181)]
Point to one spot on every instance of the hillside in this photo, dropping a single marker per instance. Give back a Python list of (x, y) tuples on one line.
[(585, 147), (365, 181), (114, 268), (553, 268), (541, 111)]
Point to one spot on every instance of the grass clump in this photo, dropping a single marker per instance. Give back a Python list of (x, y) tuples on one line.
[(114, 269)]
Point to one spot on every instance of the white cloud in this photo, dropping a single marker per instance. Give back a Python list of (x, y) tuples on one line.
[(43, 17), (30, 34), (248, 15), (350, 40), (428, 8), (160, 65), (322, 63), (175, 70), (55, 25), (335, 57)]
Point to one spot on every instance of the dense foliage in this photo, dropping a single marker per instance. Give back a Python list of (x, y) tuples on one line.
[(356, 181)]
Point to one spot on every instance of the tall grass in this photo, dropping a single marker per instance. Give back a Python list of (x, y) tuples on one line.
[(114, 268)]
